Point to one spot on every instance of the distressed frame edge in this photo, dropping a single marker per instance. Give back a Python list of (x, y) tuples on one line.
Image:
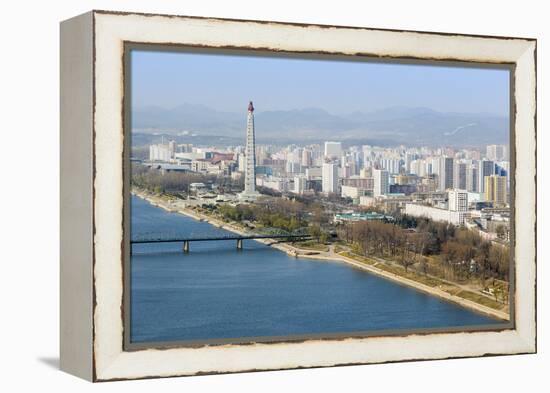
[(305, 24), (76, 196), (526, 96), (528, 340)]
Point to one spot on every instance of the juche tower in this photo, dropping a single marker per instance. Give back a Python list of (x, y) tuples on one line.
[(250, 192)]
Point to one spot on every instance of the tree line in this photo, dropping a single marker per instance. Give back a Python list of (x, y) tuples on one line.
[(460, 253), (275, 213), (158, 181)]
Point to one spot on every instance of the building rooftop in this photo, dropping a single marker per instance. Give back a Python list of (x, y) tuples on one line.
[(368, 216)]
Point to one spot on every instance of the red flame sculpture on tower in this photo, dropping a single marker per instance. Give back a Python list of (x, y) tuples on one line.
[(250, 107)]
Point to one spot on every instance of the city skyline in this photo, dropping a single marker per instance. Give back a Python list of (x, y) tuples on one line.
[(365, 174)]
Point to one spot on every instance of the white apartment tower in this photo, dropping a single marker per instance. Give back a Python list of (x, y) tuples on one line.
[(159, 152), (458, 200), (250, 192), (330, 178), (381, 182), (496, 152)]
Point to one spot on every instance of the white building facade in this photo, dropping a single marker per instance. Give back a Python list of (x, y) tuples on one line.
[(458, 200), (330, 178), (381, 182), (436, 214), (160, 152)]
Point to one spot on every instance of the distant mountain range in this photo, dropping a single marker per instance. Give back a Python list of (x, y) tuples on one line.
[(395, 125)]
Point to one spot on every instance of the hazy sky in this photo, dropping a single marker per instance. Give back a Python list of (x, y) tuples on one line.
[(227, 83)]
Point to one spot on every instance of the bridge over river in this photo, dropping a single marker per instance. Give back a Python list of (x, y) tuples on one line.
[(238, 238)]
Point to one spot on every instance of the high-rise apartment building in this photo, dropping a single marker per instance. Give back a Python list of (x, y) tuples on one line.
[(495, 190), (458, 200), (445, 172), (392, 165), (172, 147), (502, 168), (160, 152), (330, 178), (460, 175), (485, 168), (307, 158), (496, 152), (381, 182), (300, 183), (472, 183), (409, 157)]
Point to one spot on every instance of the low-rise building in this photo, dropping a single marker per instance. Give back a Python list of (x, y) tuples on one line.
[(354, 217), (280, 184), (367, 201), (389, 203), (352, 192), (200, 165), (406, 189), (366, 183), (198, 187), (436, 214)]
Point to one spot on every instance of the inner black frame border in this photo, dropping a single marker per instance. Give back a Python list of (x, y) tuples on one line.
[(129, 46)]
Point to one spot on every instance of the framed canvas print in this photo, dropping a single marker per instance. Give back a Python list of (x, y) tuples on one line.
[(248, 195)]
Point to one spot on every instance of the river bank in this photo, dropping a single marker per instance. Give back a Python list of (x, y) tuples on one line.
[(329, 255)]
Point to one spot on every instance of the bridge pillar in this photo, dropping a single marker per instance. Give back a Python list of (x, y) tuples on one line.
[(239, 244), (186, 246)]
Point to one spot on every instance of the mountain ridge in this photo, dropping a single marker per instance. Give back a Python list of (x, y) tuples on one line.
[(400, 124)]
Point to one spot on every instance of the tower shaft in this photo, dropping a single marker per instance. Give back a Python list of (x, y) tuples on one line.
[(250, 155), (250, 192)]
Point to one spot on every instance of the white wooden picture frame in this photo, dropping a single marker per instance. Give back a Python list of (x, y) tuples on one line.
[(92, 194)]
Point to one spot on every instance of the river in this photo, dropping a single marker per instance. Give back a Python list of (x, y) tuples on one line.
[(219, 292)]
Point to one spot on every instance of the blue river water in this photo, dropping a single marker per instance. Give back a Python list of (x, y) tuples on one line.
[(219, 292)]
